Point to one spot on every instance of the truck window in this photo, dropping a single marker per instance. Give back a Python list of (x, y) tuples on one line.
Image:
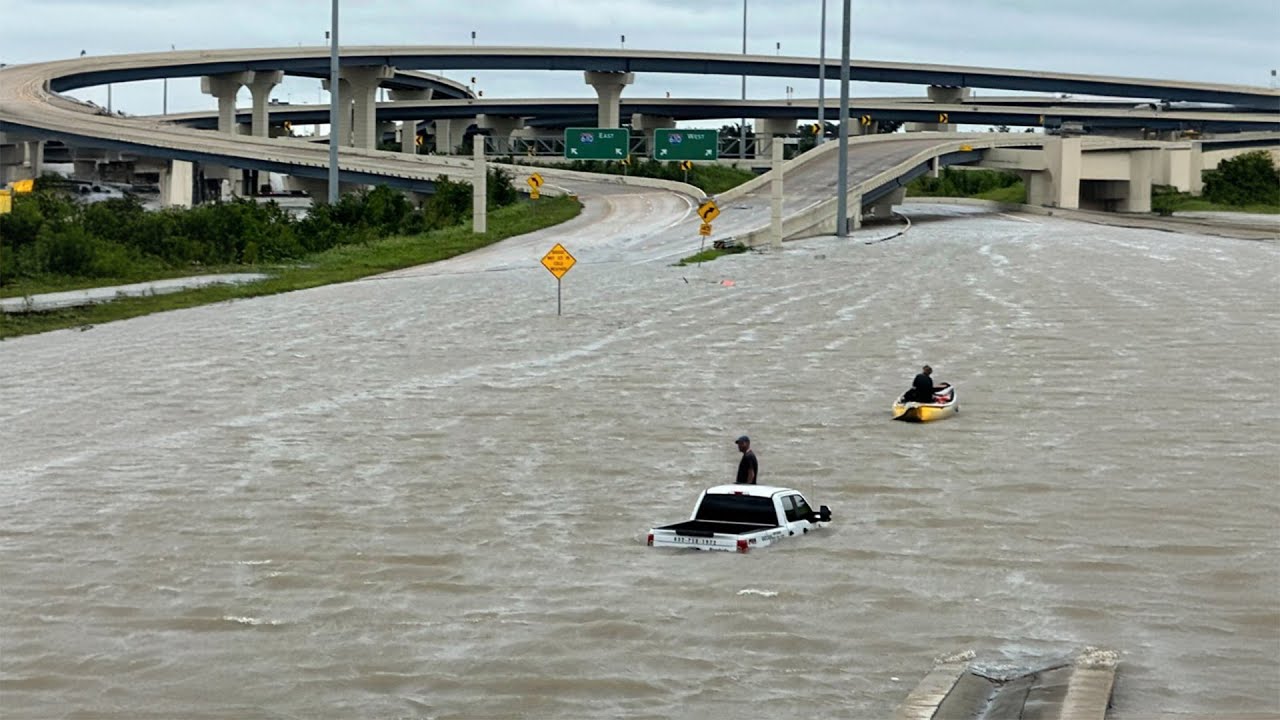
[(802, 508), (739, 509)]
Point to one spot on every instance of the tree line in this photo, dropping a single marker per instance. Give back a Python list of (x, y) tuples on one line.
[(49, 233)]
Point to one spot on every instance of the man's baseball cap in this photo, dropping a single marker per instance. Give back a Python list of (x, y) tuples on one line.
[(743, 439)]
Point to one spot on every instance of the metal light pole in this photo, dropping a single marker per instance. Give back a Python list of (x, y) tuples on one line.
[(822, 78), (164, 101), (742, 129), (842, 181), (334, 115)]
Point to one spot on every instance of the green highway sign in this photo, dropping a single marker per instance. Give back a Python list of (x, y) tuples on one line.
[(677, 144), (597, 143)]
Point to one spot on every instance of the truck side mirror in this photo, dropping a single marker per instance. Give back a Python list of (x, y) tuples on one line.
[(823, 514)]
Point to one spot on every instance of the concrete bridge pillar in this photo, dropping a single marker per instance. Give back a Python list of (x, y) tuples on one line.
[(942, 94), (609, 87), (385, 130), (84, 169), (363, 83), (35, 157), (500, 129), (409, 128), (1142, 166), (175, 184), (340, 132), (1059, 184), (261, 86), (409, 136), (12, 155), (882, 209), (225, 87), (449, 134), (1196, 169), (766, 129), (648, 124)]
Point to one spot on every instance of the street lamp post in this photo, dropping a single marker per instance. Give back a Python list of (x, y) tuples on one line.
[(334, 115), (822, 77), (842, 181), (164, 100), (742, 129)]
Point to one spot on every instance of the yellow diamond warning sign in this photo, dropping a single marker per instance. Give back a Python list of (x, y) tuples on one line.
[(708, 210), (558, 261)]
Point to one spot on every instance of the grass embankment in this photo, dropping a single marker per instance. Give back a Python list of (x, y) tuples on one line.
[(339, 264), (1167, 203)]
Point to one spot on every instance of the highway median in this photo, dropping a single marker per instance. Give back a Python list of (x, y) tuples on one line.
[(341, 262)]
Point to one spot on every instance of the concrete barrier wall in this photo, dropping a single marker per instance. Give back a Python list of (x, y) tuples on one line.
[(820, 219), (551, 174)]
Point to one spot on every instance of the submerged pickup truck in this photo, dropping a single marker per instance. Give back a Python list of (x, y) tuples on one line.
[(741, 517)]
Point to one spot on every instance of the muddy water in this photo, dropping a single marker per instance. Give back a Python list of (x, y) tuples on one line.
[(426, 496)]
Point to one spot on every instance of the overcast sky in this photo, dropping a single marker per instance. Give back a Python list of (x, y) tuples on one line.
[(1230, 42)]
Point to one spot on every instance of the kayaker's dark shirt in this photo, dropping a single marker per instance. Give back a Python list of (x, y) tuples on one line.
[(923, 387), (747, 468)]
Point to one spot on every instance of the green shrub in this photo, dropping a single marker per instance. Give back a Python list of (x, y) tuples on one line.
[(1251, 178)]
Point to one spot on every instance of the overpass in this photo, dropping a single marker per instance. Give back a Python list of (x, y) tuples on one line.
[(30, 104), (577, 112)]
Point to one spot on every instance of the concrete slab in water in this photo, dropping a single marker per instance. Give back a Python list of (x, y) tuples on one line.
[(1078, 688)]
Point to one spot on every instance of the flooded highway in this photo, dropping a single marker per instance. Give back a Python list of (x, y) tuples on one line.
[(427, 495)]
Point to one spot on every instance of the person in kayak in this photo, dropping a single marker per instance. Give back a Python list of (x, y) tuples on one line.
[(922, 387), (747, 465)]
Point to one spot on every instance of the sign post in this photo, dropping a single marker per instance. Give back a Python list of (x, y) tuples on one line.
[(678, 144), (597, 143), (558, 261), (535, 186)]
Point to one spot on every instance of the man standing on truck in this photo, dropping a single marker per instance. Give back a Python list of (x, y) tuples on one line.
[(747, 465)]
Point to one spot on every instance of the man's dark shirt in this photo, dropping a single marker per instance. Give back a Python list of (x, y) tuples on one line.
[(923, 387), (747, 469)]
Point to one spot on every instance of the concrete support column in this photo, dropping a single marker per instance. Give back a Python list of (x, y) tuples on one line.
[(768, 128), (409, 128), (263, 82), (363, 83), (385, 130), (12, 156), (341, 131), (935, 167), (500, 129), (1196, 169), (648, 124), (449, 135), (35, 157), (943, 94), (1059, 184), (409, 136), (225, 87), (775, 212), (480, 186), (84, 169), (175, 184), (1142, 164), (609, 87), (882, 209)]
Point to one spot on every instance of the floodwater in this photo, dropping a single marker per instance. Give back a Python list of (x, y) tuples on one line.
[(427, 495)]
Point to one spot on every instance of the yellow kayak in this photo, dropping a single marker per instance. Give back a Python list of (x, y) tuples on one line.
[(944, 405)]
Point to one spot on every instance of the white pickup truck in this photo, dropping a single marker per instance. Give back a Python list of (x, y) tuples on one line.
[(741, 517)]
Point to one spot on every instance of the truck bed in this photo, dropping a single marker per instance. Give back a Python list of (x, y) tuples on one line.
[(707, 528)]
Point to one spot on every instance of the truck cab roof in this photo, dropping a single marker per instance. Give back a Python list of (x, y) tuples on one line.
[(747, 489)]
